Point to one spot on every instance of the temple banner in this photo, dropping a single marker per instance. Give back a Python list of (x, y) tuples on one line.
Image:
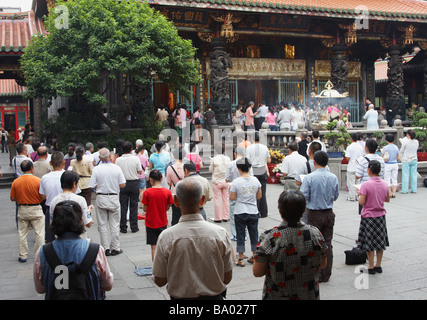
[(271, 69)]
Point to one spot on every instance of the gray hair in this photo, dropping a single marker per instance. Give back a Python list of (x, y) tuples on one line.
[(89, 145), (104, 154), (189, 192)]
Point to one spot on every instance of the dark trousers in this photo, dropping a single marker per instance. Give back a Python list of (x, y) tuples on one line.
[(129, 198), (324, 220), (262, 203), (176, 214), (49, 236)]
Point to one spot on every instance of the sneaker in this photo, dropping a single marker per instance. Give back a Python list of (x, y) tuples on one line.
[(251, 260), (22, 260), (240, 263), (233, 238), (108, 252)]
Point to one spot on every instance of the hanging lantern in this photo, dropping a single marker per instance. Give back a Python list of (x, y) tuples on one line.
[(351, 35)]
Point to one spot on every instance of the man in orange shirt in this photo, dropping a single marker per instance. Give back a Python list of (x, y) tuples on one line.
[(25, 191)]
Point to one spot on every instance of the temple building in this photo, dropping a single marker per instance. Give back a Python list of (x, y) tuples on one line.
[(16, 30), (286, 50), (271, 51)]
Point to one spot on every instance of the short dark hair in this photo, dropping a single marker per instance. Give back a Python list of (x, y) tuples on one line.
[(127, 147), (315, 134), (375, 166), (101, 144), (57, 159), (321, 158), (354, 136), (372, 145), (243, 164), (159, 145), (389, 137), (68, 178), (67, 217), (190, 166), (292, 206), (315, 146), (26, 165), (293, 146)]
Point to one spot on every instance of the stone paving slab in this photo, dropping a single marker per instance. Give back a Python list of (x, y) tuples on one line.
[(404, 276)]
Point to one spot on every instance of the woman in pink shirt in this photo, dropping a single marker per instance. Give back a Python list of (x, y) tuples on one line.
[(373, 235)]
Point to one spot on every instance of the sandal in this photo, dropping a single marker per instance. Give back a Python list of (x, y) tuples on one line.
[(240, 263)]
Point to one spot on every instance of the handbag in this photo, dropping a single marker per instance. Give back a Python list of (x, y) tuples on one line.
[(386, 156), (355, 256)]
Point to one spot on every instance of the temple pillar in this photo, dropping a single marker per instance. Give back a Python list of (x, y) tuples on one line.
[(395, 82), (220, 62), (339, 68), (424, 102)]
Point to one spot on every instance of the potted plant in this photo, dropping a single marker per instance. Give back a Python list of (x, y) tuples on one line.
[(337, 139), (421, 136)]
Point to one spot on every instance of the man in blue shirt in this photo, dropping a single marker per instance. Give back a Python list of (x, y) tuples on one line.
[(321, 189)]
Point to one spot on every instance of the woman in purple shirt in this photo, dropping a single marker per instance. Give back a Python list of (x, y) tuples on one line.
[(373, 235)]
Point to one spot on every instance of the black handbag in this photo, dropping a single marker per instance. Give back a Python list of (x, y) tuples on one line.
[(355, 256)]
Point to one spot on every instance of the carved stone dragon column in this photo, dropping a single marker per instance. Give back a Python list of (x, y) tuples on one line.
[(339, 68), (395, 83), (220, 62)]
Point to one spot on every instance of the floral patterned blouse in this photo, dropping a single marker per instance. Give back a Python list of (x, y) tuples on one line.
[(293, 256)]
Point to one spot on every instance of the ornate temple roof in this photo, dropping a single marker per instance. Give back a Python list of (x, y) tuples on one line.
[(16, 31), (394, 10), (9, 87)]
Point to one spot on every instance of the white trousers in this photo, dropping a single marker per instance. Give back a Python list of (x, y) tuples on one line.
[(351, 181), (108, 218)]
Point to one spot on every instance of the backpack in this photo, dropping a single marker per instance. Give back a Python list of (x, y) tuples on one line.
[(79, 283)]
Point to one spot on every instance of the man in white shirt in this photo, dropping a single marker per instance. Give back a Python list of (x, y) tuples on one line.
[(293, 166), (50, 187), (69, 185), (353, 152), (108, 179), (284, 118), (315, 135), (259, 156), (21, 150), (262, 113), (192, 249), (129, 195)]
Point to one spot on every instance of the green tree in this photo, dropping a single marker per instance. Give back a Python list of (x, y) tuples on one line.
[(107, 44)]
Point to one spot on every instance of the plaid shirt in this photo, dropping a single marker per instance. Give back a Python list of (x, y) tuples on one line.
[(293, 256)]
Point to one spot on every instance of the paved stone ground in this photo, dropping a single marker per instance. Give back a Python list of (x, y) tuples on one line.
[(404, 276)]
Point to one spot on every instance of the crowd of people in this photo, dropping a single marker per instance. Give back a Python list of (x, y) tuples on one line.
[(54, 195)]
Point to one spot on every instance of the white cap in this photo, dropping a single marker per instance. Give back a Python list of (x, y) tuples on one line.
[(139, 143)]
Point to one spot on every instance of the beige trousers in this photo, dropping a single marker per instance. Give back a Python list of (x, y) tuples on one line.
[(30, 216)]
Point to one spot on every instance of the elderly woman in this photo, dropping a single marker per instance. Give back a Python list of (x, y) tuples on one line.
[(373, 236), (408, 156), (291, 255)]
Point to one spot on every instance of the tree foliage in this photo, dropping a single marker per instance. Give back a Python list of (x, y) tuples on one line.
[(106, 40)]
